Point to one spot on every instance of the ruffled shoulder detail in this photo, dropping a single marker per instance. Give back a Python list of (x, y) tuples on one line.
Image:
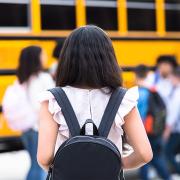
[(129, 101), (55, 110)]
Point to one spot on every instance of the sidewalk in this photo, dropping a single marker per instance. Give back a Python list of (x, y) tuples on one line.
[(14, 165)]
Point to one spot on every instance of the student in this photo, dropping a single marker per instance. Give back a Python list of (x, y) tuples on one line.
[(30, 73), (172, 132), (158, 161), (160, 79), (88, 72), (141, 73), (21, 106)]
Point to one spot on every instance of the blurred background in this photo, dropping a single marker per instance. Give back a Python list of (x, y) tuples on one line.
[(141, 31)]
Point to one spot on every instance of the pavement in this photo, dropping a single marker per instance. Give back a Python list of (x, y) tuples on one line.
[(14, 165)]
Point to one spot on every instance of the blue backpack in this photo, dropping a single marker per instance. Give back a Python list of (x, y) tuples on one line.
[(87, 157)]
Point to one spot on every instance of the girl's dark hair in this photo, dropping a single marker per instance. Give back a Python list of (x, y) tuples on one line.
[(29, 63), (88, 60)]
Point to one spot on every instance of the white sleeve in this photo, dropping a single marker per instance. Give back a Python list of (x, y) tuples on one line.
[(37, 86), (55, 110), (48, 81), (173, 111), (128, 103)]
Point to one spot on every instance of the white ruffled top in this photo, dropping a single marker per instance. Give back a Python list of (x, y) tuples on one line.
[(90, 104)]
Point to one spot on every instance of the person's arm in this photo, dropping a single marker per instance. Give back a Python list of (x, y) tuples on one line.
[(172, 116), (167, 133), (48, 131), (138, 139)]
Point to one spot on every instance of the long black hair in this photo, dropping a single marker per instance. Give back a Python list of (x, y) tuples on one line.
[(88, 60), (29, 63)]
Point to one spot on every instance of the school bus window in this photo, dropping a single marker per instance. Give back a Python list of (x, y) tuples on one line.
[(58, 15), (102, 14), (14, 13), (172, 15), (142, 1), (172, 1), (141, 15)]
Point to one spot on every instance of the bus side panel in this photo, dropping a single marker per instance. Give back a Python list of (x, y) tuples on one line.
[(129, 54)]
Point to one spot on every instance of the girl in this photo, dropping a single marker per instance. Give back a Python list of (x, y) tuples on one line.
[(30, 75), (88, 72), (20, 103)]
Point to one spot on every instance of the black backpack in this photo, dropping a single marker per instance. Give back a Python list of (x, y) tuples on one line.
[(156, 115), (87, 157)]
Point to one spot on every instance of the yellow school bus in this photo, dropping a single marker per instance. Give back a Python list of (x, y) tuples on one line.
[(141, 30)]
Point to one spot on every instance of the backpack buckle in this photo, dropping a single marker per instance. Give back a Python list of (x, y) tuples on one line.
[(94, 128)]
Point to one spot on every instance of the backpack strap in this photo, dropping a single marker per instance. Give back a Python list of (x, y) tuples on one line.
[(110, 111), (67, 110)]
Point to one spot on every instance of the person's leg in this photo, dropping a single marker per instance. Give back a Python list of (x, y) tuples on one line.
[(158, 160), (171, 147), (35, 171), (26, 139), (160, 165), (144, 172)]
